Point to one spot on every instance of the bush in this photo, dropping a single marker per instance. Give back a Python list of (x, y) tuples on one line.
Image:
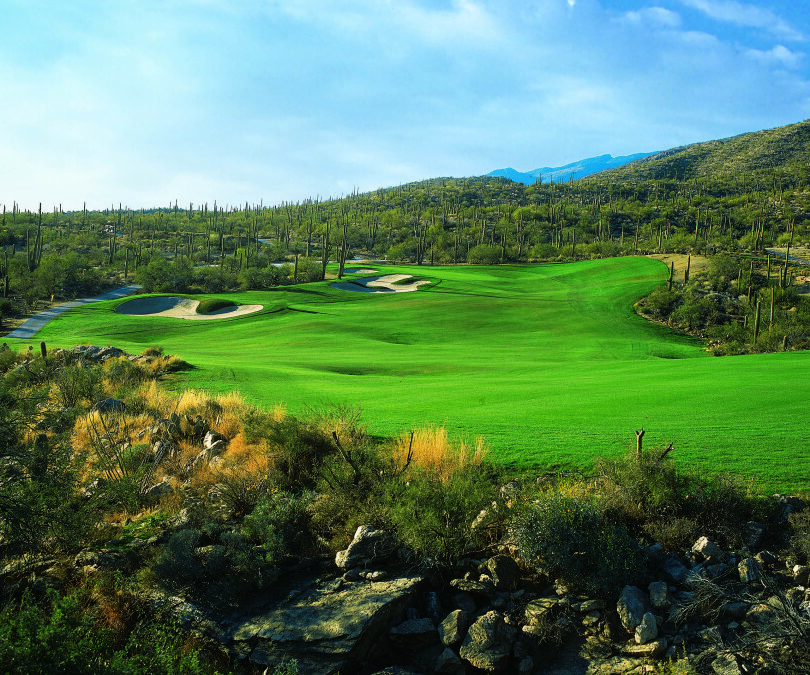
[(433, 516), (484, 254), (277, 523), (210, 305), (569, 539)]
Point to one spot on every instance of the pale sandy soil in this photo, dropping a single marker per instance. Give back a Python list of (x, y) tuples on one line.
[(384, 284), (697, 264), (180, 308)]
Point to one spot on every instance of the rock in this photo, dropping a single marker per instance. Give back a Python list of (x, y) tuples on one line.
[(787, 506), (212, 440), (734, 610), (711, 635), (481, 589), (465, 602), (801, 574), (110, 405), (726, 664), (753, 533), (591, 605), (655, 649), (414, 634), (707, 549), (761, 614), (504, 572), (159, 491), (766, 557), (434, 607), (525, 666), (450, 662), (750, 570), (673, 569), (326, 630), (631, 607), (368, 546), (659, 595), (453, 628), (483, 647), (647, 630), (538, 609)]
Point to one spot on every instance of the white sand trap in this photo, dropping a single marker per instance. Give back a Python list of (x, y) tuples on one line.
[(384, 284), (180, 308), (360, 270)]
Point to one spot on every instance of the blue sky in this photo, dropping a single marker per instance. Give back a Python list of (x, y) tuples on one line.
[(144, 102)]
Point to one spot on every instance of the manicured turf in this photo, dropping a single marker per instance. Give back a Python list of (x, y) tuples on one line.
[(548, 362)]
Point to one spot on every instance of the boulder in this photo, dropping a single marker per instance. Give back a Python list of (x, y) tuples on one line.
[(673, 569), (367, 547), (158, 491), (647, 630), (750, 570), (655, 649), (449, 662), (707, 549), (537, 610), (801, 574), (110, 406), (453, 628), (726, 664), (326, 628), (484, 647), (214, 441), (631, 607), (504, 572), (414, 634), (480, 589), (659, 595)]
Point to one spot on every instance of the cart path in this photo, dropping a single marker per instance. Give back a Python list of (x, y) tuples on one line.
[(33, 325)]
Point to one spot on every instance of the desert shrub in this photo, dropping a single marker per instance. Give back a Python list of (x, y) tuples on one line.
[(660, 303), (90, 631), (177, 564), (484, 254), (209, 305), (433, 516), (800, 535), (431, 448), (277, 523), (570, 540), (649, 490)]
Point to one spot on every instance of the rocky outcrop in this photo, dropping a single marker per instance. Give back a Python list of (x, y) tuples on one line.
[(332, 626)]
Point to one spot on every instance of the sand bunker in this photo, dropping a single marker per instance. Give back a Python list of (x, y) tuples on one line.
[(180, 308), (360, 270), (384, 284)]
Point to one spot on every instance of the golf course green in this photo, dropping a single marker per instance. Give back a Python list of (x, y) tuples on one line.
[(548, 362)]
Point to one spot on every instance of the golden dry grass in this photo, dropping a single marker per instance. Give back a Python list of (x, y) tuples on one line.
[(432, 449)]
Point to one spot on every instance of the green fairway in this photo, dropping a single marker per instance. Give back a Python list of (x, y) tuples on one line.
[(549, 363)]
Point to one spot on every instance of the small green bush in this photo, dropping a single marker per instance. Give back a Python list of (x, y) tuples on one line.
[(570, 539), (277, 523), (209, 305), (433, 517)]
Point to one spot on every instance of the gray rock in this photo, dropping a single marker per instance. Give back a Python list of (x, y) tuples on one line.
[(484, 646), (726, 664), (449, 662), (750, 570), (453, 628), (801, 574), (159, 490), (326, 631), (654, 649), (368, 546), (766, 557), (465, 602), (707, 549), (659, 594), (647, 630), (110, 406), (673, 569), (504, 572), (414, 634), (538, 609), (734, 610), (211, 439), (481, 589), (631, 607), (591, 605), (753, 533)]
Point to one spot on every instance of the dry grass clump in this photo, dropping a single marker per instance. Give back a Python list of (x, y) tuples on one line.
[(432, 449)]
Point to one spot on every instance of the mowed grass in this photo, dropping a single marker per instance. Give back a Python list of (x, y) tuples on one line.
[(548, 362)]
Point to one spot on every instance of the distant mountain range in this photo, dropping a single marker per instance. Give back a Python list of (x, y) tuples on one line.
[(562, 174)]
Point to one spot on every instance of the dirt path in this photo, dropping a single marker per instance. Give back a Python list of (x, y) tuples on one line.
[(33, 325)]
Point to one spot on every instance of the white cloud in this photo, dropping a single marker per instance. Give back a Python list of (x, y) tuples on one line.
[(657, 17), (779, 56), (747, 15)]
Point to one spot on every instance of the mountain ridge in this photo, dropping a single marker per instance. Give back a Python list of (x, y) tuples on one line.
[(571, 171)]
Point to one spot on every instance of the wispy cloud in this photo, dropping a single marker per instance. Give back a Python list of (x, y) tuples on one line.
[(747, 15), (657, 17), (779, 55)]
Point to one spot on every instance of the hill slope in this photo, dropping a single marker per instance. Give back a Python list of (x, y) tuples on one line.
[(783, 149), (574, 170)]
